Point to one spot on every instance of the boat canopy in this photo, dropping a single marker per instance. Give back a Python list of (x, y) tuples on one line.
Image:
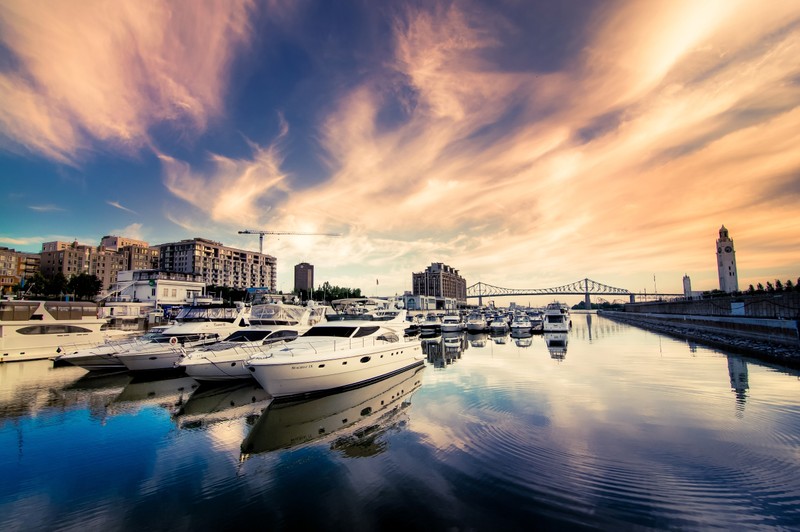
[(277, 314)]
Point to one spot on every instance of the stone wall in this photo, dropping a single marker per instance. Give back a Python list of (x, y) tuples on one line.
[(778, 305)]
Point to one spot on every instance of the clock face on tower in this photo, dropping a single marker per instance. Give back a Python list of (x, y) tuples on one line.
[(728, 249)]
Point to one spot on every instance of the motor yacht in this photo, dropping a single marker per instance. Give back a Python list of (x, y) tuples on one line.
[(34, 330), (476, 323), (195, 326), (556, 317), (499, 324), (333, 356), (431, 324), (451, 323), (521, 322), (104, 356)]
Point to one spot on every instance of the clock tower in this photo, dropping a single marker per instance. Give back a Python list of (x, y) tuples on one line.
[(726, 263)]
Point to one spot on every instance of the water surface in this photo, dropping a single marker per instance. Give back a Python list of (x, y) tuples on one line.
[(606, 427)]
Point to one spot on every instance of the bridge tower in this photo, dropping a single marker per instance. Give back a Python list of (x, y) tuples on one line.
[(587, 301)]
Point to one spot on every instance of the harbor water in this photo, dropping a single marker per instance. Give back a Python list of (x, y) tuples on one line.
[(606, 427)]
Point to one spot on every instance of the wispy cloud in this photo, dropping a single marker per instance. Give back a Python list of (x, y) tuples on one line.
[(117, 205), (231, 190), (93, 71), (46, 208), (693, 110)]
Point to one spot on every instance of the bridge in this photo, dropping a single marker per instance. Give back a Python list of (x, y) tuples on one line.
[(584, 287)]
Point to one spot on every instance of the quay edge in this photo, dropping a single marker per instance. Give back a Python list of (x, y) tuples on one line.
[(771, 340)]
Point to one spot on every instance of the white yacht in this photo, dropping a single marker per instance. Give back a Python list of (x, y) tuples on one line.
[(521, 322), (31, 330), (334, 356), (104, 356), (431, 324), (499, 324), (476, 323), (225, 360), (195, 326), (451, 323), (556, 317)]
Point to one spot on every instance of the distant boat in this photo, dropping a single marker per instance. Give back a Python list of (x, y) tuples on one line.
[(556, 317), (521, 323), (451, 323), (476, 323)]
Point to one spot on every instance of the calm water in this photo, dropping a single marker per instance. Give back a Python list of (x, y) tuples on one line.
[(621, 429)]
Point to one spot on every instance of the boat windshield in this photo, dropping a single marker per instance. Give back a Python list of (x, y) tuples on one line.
[(248, 336), (227, 314), (341, 332)]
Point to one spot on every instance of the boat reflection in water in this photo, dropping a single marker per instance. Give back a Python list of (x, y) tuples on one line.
[(357, 417), (556, 344), (214, 403), (522, 338), (169, 393), (477, 339)]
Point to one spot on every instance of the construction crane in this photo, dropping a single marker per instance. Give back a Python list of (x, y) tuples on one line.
[(262, 233)]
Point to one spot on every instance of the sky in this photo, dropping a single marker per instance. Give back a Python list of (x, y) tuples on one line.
[(528, 144)]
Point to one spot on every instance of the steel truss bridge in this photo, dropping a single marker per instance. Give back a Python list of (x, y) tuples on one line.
[(584, 287)]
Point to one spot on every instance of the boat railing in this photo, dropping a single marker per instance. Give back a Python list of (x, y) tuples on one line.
[(297, 348)]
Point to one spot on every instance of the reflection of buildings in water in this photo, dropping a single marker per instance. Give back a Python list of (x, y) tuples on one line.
[(367, 411), (737, 370), (222, 402), (168, 393), (445, 349), (556, 344)]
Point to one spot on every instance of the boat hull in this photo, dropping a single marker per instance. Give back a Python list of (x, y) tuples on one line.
[(287, 376), (216, 370)]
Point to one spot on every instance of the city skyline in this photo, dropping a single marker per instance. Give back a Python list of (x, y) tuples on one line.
[(528, 146)]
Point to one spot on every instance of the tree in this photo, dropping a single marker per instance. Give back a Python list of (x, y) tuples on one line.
[(770, 288), (759, 287), (789, 286), (751, 289), (84, 286), (778, 285)]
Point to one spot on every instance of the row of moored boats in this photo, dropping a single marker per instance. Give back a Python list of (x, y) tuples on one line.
[(553, 318), (289, 350)]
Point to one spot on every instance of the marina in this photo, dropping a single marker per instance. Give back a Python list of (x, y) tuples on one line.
[(605, 425)]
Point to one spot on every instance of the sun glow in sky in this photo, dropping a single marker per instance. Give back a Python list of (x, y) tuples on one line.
[(527, 144)]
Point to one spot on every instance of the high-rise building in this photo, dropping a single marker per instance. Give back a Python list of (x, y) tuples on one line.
[(726, 263), (218, 264), (303, 277), (440, 280), (74, 259)]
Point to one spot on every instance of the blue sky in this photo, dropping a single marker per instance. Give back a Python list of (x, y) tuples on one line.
[(527, 144)]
